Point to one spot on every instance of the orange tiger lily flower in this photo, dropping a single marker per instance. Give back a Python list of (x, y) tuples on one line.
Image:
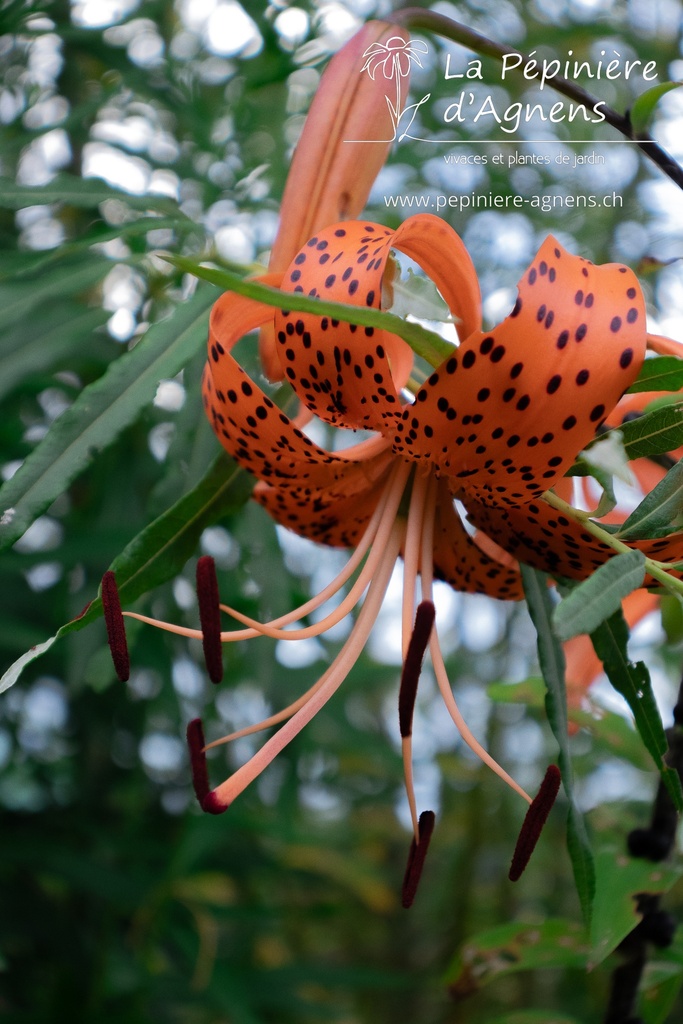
[(495, 426)]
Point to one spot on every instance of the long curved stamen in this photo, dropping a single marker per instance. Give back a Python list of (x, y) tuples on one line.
[(411, 564), (412, 666), (349, 602), (224, 794), (427, 575), (390, 502), (392, 498), (393, 493)]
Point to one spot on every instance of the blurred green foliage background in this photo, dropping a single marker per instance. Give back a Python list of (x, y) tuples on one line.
[(120, 902)]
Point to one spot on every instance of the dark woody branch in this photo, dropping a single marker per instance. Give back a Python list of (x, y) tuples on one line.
[(417, 18), (657, 927)]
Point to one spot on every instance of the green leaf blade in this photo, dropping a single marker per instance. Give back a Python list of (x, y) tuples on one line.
[(632, 681), (598, 597), (665, 373), (63, 332), (425, 343), (159, 552), (81, 193), (643, 109), (661, 511), (620, 879), (19, 298), (551, 658), (511, 948), (654, 433), (100, 413)]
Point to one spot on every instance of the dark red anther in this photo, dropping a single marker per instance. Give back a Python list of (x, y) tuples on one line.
[(116, 629), (210, 617), (424, 620), (535, 819), (200, 773), (416, 858)]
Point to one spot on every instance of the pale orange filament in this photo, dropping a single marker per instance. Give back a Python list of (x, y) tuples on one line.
[(385, 536), (411, 556), (385, 513), (427, 574), (329, 682)]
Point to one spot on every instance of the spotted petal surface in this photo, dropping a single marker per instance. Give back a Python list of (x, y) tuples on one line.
[(341, 371), (507, 414), (255, 432), (330, 515), (351, 376), (546, 539)]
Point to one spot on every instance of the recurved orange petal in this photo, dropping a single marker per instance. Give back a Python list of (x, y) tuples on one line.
[(253, 430), (341, 371), (337, 515), (540, 536), (351, 375), (441, 253), (508, 413)]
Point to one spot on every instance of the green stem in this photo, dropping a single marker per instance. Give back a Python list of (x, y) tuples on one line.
[(653, 568), (429, 346), (417, 18)]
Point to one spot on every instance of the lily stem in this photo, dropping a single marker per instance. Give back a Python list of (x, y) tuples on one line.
[(653, 568), (417, 18)]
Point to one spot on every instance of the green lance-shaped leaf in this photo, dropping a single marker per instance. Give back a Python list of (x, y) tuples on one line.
[(159, 552), (61, 330), (15, 266), (654, 433), (11, 675), (84, 193), (643, 109), (100, 413), (598, 597), (632, 681), (660, 512), (665, 373), (551, 659), (511, 948), (18, 299), (424, 343)]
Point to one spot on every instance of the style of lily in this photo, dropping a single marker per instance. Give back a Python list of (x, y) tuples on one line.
[(495, 426)]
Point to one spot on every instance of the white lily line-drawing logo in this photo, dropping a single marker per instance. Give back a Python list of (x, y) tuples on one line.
[(393, 58)]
